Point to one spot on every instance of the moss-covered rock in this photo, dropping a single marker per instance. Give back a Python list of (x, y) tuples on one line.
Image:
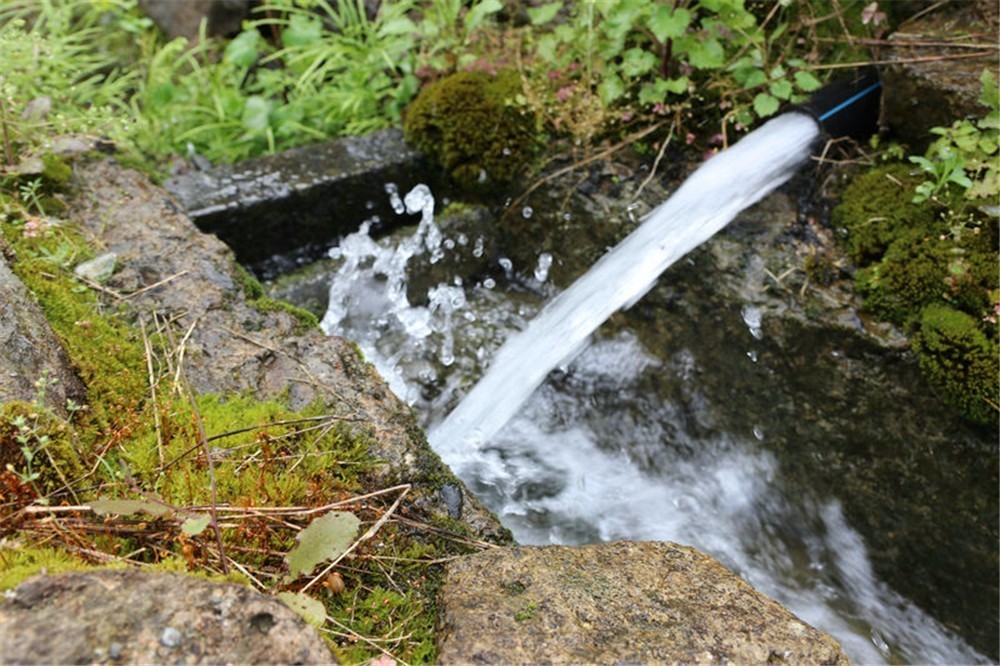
[(472, 124), (875, 207), (930, 268), (959, 360)]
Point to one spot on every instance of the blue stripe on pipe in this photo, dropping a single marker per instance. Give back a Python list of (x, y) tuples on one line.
[(840, 107)]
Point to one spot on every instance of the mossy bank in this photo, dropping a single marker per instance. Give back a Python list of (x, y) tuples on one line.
[(217, 423)]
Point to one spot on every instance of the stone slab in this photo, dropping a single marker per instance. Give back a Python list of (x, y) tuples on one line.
[(615, 603), (287, 209)]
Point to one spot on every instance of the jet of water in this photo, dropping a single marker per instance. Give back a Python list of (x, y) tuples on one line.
[(706, 202)]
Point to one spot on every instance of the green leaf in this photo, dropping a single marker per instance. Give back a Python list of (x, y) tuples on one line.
[(311, 610), (302, 30), (325, 538), (401, 25), (765, 105), (806, 82), (638, 62), (754, 78), (706, 53), (611, 89), (668, 22), (195, 526), (242, 51), (256, 114), (478, 14), (543, 14), (782, 89), (105, 507)]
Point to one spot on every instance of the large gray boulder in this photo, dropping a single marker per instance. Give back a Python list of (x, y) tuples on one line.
[(134, 617), (614, 603)]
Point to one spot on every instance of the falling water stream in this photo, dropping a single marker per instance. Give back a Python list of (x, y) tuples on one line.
[(560, 434)]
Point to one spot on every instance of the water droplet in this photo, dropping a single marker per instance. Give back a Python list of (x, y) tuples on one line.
[(753, 317), (506, 151), (527, 212), (544, 263), (752, 355), (489, 283), (758, 433)]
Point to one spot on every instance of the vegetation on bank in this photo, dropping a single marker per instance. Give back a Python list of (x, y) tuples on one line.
[(152, 475), (575, 77), (925, 242)]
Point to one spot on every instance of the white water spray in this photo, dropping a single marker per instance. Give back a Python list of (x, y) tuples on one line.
[(707, 201)]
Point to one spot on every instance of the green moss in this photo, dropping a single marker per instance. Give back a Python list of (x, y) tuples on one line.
[(931, 269), (960, 361), (471, 123), (526, 612), (21, 561), (256, 295), (876, 206), (38, 446)]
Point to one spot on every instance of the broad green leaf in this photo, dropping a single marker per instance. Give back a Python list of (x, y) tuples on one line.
[(765, 105), (324, 539), (638, 62), (255, 114), (195, 526), (806, 82), (302, 31), (543, 14), (242, 51), (706, 53), (611, 89), (128, 507), (311, 610), (755, 77), (477, 15), (401, 25), (782, 89), (668, 22)]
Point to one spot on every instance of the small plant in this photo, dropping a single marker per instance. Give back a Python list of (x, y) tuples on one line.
[(966, 155)]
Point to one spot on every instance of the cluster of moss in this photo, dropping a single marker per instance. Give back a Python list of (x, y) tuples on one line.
[(472, 124), (930, 268)]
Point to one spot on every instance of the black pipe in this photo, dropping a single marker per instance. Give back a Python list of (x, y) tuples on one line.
[(848, 107)]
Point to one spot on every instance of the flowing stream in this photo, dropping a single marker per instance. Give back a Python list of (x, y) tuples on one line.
[(561, 434)]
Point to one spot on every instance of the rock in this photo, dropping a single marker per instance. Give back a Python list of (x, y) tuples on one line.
[(282, 211), (30, 351), (129, 616), (922, 91), (232, 347), (98, 269), (182, 18), (613, 603)]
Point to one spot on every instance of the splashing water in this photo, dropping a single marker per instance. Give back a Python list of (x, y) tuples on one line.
[(555, 473)]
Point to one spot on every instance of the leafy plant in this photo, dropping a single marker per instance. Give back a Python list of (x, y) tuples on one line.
[(966, 155)]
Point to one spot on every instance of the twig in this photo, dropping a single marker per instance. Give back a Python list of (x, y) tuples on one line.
[(208, 462), (367, 535), (355, 634), (157, 424), (632, 138), (656, 162), (897, 61), (155, 284)]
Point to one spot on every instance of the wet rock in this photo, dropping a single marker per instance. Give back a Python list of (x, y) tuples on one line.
[(182, 18), (613, 603), (283, 211), (230, 346), (928, 85), (30, 351), (837, 396), (127, 616)]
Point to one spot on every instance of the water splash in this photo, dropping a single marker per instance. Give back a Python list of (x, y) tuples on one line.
[(704, 204)]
